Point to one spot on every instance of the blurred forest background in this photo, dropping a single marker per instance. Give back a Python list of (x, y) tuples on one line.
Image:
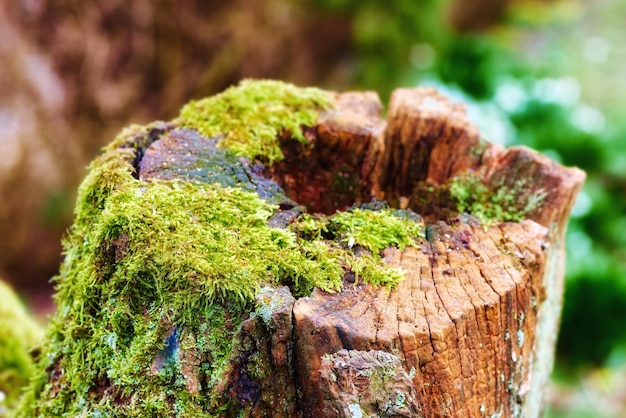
[(548, 74)]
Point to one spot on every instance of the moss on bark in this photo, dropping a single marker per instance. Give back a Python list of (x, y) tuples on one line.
[(160, 274)]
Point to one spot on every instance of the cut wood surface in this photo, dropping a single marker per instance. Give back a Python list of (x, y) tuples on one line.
[(469, 329)]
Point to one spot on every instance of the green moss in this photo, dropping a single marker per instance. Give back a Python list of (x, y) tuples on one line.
[(258, 367), (376, 230), (215, 238), (495, 202), (371, 230), (250, 117), (19, 334)]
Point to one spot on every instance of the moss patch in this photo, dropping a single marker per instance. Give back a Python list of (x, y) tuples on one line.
[(490, 201), (360, 234), (19, 334), (217, 239), (250, 117), (496, 202)]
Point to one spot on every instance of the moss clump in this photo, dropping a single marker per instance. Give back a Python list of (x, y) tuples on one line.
[(146, 263), (491, 200), (19, 334), (251, 116), (365, 229), (215, 238), (496, 202)]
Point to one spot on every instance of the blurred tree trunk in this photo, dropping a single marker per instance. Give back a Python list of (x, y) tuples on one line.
[(476, 15)]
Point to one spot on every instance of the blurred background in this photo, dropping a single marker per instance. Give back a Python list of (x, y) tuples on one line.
[(549, 74)]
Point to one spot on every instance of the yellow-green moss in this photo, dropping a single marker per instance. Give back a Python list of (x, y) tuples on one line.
[(150, 262), (250, 116), (19, 333), (372, 230), (494, 203)]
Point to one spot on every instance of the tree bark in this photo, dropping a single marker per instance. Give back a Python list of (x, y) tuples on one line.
[(470, 328)]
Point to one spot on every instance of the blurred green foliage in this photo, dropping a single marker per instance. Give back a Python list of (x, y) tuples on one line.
[(20, 333), (517, 100)]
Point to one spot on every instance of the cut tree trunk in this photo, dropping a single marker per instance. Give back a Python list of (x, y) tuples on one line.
[(468, 331)]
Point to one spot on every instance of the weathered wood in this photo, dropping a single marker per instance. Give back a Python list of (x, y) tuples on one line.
[(469, 330), (476, 317)]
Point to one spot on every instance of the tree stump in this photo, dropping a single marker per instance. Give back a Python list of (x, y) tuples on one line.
[(428, 282)]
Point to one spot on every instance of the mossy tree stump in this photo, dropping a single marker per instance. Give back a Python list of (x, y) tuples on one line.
[(278, 251)]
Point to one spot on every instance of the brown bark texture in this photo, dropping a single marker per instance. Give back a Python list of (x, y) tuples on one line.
[(470, 330)]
